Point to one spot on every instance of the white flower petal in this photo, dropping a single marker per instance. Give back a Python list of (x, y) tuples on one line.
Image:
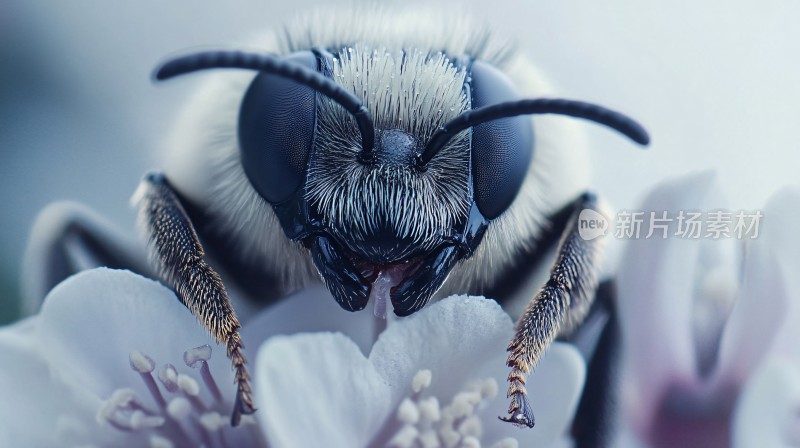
[(92, 321), (451, 338), (757, 316), (36, 410), (554, 390), (31, 402), (767, 304), (767, 410), (318, 390), (655, 285), (310, 310), (779, 232)]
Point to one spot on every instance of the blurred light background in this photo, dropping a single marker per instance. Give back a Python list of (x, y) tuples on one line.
[(715, 82)]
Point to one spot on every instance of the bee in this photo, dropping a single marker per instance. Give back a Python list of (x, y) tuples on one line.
[(392, 155)]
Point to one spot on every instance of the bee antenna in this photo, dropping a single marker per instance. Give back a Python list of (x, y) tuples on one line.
[(270, 64), (579, 109)]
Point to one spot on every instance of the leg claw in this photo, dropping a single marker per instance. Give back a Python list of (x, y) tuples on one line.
[(241, 407), (520, 420), (520, 413)]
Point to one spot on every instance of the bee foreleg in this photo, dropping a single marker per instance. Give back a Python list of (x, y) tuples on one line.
[(177, 252), (560, 305)]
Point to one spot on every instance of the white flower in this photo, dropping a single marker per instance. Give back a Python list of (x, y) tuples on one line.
[(698, 317), (320, 390), (106, 363), (78, 373)]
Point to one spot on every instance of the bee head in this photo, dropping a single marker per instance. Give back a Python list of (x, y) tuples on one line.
[(387, 166)]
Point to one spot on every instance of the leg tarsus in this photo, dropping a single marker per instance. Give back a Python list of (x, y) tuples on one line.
[(565, 298), (244, 398), (519, 411)]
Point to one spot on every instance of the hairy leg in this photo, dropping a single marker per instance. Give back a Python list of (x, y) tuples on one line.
[(559, 306), (177, 252)]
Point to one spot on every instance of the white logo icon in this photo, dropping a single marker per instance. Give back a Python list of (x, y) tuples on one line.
[(591, 224)]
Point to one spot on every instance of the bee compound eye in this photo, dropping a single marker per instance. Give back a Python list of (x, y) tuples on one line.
[(276, 130), (501, 149)]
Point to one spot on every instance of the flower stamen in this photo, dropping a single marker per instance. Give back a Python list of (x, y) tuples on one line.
[(422, 380), (185, 419), (199, 356), (422, 423), (124, 411), (145, 365), (190, 389), (160, 442), (168, 376)]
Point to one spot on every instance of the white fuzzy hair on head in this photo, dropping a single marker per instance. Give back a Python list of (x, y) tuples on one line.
[(414, 92), (204, 163), (378, 25)]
